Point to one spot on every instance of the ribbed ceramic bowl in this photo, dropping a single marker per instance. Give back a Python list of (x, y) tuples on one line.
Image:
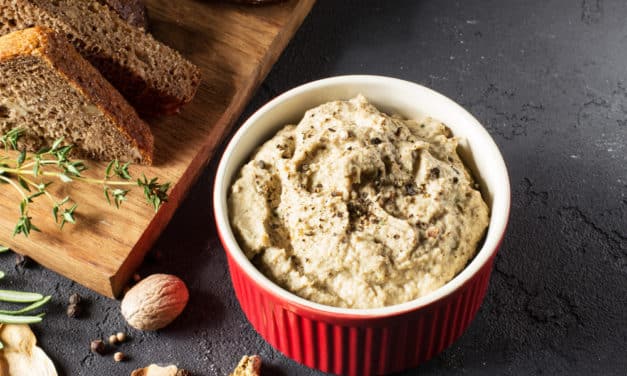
[(364, 341)]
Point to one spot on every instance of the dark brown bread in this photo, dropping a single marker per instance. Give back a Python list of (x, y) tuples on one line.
[(48, 89), (131, 11), (153, 77)]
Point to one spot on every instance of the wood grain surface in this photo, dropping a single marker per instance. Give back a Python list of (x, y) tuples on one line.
[(235, 46)]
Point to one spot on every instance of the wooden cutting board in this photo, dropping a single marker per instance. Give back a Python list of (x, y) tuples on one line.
[(235, 47)]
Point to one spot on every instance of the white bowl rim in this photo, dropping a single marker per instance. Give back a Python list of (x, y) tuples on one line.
[(488, 249)]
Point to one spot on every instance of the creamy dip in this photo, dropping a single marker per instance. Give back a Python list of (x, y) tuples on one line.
[(355, 208)]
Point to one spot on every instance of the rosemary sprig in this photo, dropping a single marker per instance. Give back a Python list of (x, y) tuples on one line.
[(29, 308), (21, 316), (32, 173), (10, 319), (19, 296), (18, 316)]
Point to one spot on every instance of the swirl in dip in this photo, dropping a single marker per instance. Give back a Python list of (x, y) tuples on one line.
[(355, 208)]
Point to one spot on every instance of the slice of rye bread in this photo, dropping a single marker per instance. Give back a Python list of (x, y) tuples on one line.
[(50, 91), (152, 76), (131, 11)]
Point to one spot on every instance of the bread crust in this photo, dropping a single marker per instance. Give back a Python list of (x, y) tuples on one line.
[(59, 54)]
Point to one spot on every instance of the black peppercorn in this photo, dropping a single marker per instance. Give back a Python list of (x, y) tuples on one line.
[(434, 173), (97, 347), (73, 311)]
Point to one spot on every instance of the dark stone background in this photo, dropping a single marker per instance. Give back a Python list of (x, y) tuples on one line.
[(548, 78)]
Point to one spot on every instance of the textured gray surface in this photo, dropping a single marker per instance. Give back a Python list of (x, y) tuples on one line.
[(548, 79)]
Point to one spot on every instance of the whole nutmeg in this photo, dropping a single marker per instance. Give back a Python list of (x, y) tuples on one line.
[(155, 302)]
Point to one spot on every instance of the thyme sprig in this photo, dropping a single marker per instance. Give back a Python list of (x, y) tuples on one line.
[(32, 173)]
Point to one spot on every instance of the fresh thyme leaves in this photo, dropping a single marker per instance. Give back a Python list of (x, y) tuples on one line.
[(32, 173), (24, 224), (155, 193), (9, 140)]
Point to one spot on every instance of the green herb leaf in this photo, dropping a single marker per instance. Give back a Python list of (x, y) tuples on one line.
[(122, 172), (10, 139), (56, 144), (72, 170), (64, 178), (24, 224), (68, 215), (106, 193), (36, 167), (109, 167), (23, 183), (155, 193), (21, 158), (42, 151), (29, 308), (35, 195), (55, 213), (4, 249), (119, 195), (10, 319), (19, 296)]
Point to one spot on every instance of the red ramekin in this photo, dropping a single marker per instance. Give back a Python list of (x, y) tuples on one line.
[(363, 342)]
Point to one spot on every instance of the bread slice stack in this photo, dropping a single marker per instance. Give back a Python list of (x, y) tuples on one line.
[(49, 90), (68, 68), (152, 76)]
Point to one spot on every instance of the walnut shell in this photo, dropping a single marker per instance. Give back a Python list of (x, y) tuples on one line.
[(155, 302), (250, 365), (155, 370)]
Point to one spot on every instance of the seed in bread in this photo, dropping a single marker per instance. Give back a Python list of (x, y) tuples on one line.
[(48, 89), (152, 76)]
